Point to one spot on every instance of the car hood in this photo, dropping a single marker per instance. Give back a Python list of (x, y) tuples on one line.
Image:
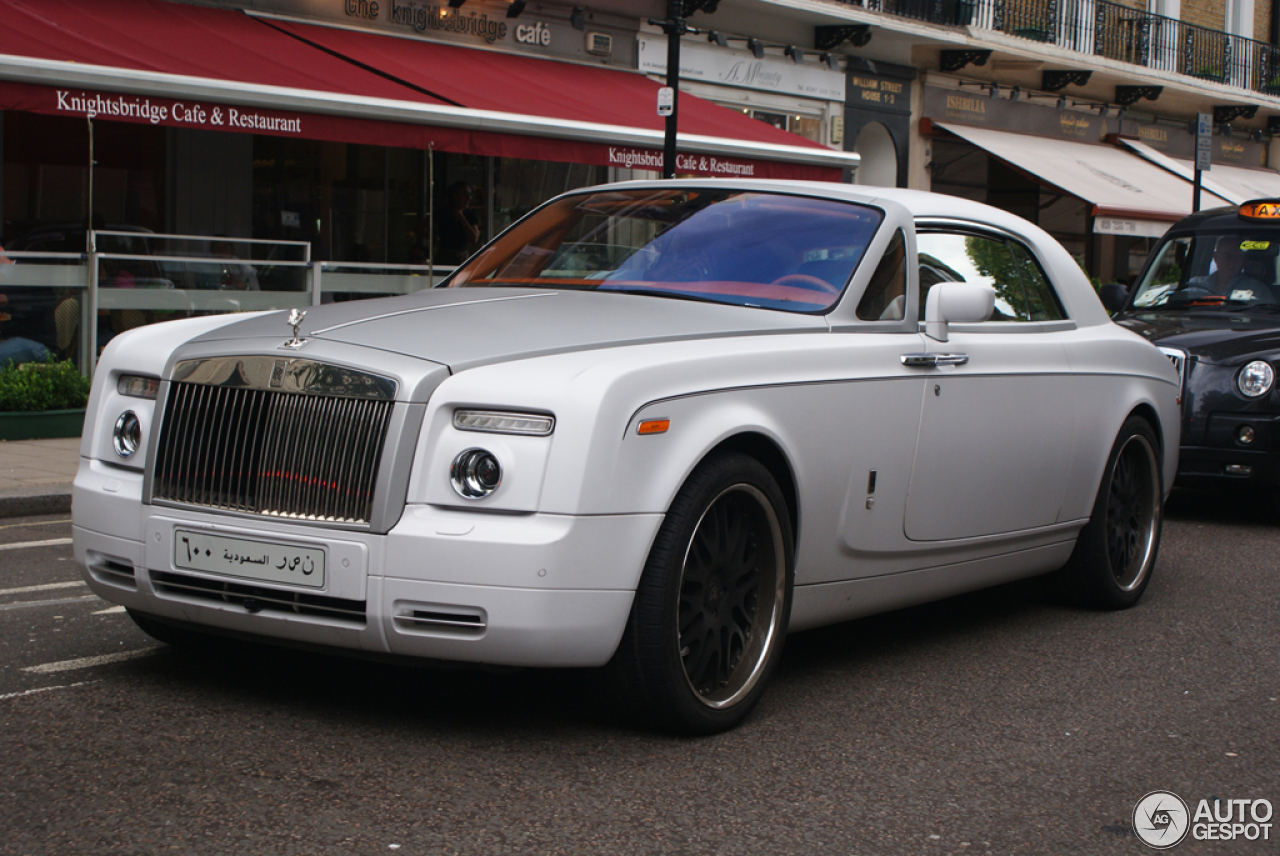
[(465, 328), (1218, 337)]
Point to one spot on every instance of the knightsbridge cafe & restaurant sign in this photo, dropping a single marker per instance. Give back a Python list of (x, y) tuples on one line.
[(185, 113)]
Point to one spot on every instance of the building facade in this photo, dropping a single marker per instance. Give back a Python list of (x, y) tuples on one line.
[(400, 131)]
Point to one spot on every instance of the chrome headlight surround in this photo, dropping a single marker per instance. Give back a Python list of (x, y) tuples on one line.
[(475, 473), (1255, 379), (126, 436)]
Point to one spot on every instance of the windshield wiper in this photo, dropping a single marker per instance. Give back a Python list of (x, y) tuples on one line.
[(655, 292)]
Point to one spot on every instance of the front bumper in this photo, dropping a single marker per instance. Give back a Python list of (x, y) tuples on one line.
[(500, 589), (1222, 460), (1200, 467)]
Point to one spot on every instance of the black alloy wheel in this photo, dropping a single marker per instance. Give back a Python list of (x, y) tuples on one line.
[(1116, 550), (1133, 512), (710, 614)]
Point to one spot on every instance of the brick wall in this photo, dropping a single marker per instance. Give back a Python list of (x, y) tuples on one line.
[(1211, 14), (1262, 20)]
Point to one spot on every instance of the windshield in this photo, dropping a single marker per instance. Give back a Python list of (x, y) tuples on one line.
[(792, 253), (1212, 269)]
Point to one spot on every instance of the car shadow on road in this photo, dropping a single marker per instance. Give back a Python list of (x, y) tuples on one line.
[(467, 700), (387, 694), (1252, 508)]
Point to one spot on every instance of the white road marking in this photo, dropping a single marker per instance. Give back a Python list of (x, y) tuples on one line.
[(52, 542), (37, 523), (45, 587), (30, 604), (89, 662), (46, 690), (111, 610)]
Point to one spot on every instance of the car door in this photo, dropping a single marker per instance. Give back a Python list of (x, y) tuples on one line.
[(996, 427)]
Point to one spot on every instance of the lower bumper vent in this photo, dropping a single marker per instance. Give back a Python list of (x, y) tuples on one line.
[(437, 619), (257, 599), (111, 570)]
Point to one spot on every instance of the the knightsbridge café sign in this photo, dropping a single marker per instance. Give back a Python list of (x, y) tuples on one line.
[(422, 17)]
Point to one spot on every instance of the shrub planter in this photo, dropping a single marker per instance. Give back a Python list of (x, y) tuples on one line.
[(41, 424)]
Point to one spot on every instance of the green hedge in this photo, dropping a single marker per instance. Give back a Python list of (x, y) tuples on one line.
[(42, 386)]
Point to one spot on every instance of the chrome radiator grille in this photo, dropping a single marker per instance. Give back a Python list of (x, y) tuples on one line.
[(299, 451)]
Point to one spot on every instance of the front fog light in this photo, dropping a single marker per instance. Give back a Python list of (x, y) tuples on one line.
[(127, 436), (475, 473), (1255, 379)]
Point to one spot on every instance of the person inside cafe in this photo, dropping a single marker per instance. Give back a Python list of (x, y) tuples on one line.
[(458, 234), (28, 332)]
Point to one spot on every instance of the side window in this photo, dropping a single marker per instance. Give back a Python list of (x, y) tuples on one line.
[(886, 295), (1042, 302), (1022, 291)]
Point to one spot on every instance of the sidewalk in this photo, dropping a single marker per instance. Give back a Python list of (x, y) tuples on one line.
[(36, 476)]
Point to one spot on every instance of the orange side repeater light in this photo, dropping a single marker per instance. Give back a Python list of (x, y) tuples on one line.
[(654, 426)]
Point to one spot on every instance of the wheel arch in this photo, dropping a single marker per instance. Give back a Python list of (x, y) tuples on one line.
[(1148, 412), (770, 455)]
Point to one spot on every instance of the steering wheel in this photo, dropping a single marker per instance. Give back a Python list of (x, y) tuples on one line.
[(804, 280)]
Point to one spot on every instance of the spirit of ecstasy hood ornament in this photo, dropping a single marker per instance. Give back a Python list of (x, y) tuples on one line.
[(295, 321)]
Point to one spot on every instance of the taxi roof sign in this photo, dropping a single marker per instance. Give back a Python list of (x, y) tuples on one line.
[(1261, 209)]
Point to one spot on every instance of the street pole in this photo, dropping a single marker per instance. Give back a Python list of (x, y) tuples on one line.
[(1204, 153), (675, 28)]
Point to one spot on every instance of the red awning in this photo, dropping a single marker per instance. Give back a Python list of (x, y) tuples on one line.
[(510, 83), (188, 66), (153, 35)]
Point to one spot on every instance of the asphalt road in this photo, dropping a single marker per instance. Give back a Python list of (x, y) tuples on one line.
[(998, 722)]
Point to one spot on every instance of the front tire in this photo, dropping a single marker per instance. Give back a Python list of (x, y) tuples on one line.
[(1116, 551), (711, 609)]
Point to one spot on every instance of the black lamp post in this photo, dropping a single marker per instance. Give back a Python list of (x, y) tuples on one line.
[(675, 27)]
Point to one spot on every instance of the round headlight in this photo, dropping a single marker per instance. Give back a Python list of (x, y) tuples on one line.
[(1255, 379), (475, 473), (127, 436)]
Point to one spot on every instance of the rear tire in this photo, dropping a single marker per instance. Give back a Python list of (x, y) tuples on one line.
[(711, 609), (1116, 550)]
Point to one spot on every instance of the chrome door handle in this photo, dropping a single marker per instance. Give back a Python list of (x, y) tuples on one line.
[(916, 361)]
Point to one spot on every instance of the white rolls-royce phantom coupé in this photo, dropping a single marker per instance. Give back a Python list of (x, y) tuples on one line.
[(651, 427)]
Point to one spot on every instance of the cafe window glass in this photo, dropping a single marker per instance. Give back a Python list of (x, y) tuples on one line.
[(46, 178)]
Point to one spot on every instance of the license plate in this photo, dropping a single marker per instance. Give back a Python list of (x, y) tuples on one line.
[(253, 560)]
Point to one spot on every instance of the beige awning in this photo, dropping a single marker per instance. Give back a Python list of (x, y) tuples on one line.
[(1236, 184), (1129, 195)]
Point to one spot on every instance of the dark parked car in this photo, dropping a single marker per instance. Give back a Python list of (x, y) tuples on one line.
[(1210, 298)]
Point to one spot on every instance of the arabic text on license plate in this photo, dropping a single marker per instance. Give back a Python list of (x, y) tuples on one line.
[(254, 560)]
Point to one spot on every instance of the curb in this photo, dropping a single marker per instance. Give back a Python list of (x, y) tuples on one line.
[(35, 504)]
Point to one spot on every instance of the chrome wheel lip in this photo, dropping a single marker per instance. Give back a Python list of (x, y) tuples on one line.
[(1132, 573), (751, 667)]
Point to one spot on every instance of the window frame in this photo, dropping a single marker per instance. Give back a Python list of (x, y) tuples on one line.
[(934, 225)]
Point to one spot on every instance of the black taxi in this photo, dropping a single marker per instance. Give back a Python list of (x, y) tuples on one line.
[(1209, 297)]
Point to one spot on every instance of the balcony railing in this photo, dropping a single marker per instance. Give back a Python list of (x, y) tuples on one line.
[(1103, 28)]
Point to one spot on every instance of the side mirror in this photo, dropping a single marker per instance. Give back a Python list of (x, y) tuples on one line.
[(956, 303), (1114, 296)]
